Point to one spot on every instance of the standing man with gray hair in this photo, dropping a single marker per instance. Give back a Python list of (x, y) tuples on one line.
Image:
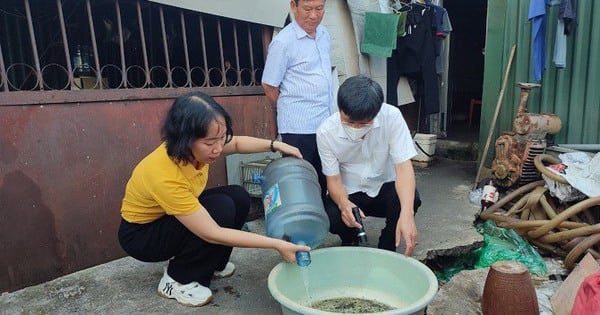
[(297, 79)]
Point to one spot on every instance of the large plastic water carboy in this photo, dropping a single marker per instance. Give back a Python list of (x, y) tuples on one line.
[(294, 210)]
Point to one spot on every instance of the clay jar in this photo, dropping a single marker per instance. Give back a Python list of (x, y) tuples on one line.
[(508, 290)]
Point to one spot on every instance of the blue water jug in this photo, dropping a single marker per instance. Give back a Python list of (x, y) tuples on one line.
[(294, 210)]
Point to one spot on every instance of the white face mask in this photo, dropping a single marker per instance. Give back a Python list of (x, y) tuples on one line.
[(356, 133)]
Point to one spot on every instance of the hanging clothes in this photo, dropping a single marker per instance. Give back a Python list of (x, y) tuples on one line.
[(401, 23), (568, 13), (537, 14), (565, 25), (443, 29), (560, 45), (415, 56), (380, 33)]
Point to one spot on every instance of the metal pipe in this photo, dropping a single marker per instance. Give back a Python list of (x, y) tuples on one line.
[(185, 50), (63, 31), (143, 39), (221, 57), (99, 83), (252, 75), (237, 55), (582, 147), (36, 58), (3, 76), (203, 42), (121, 45), (165, 46)]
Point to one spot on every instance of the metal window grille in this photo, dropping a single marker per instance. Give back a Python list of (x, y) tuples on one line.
[(121, 44)]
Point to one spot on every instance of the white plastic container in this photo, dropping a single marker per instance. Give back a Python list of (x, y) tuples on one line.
[(425, 148)]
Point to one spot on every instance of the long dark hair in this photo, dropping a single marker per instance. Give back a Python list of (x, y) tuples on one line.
[(188, 119)]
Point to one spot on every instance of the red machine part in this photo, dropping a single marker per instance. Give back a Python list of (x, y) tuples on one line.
[(506, 167)]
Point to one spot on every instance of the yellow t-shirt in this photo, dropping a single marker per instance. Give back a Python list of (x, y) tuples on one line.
[(159, 186)]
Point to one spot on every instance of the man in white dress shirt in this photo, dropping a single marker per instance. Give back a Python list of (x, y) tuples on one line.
[(365, 151)]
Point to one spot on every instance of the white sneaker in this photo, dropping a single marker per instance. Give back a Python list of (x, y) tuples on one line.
[(227, 272), (191, 294)]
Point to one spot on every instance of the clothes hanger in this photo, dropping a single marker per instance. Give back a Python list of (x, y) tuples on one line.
[(420, 3), (398, 6)]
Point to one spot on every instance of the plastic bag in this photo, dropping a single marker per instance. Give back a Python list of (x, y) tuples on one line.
[(506, 244), (451, 266), (587, 300), (475, 196)]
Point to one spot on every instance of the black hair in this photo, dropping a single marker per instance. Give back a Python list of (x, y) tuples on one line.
[(360, 98), (188, 119)]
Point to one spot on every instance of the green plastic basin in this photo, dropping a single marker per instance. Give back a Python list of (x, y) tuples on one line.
[(401, 282)]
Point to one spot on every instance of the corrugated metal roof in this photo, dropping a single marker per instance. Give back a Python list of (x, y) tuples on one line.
[(573, 93), (267, 12)]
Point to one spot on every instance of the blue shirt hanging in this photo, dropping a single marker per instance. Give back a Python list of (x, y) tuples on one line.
[(537, 14)]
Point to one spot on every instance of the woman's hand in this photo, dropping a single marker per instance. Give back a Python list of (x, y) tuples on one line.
[(285, 148), (288, 250)]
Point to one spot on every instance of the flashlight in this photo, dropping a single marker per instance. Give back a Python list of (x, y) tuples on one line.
[(362, 235)]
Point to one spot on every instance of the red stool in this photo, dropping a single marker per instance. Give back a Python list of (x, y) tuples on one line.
[(471, 107)]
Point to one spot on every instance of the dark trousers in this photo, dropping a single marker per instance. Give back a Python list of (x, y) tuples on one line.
[(307, 144), (385, 205), (191, 258)]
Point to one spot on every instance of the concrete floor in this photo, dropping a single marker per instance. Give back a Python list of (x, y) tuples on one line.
[(126, 286)]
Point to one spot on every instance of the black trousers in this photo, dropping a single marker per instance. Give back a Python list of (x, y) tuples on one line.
[(307, 144), (191, 258), (385, 205)]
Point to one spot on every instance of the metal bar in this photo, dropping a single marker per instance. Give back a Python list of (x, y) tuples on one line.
[(36, 58), (237, 55), (94, 46), (223, 79), (185, 50), (252, 76), (3, 75), (266, 40), (121, 45), (203, 42), (143, 39), (61, 97), (166, 47), (63, 31)]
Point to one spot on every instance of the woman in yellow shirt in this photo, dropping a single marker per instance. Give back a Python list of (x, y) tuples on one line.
[(168, 215)]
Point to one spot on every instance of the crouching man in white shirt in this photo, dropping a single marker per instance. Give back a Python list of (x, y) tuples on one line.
[(365, 150)]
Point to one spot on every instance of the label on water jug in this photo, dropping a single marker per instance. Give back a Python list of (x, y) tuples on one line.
[(271, 200)]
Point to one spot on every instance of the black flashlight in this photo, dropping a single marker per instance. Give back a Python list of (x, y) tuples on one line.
[(362, 235)]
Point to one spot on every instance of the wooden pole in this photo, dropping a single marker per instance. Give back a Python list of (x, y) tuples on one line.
[(495, 118)]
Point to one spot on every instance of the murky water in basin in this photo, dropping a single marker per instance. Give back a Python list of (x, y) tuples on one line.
[(351, 306)]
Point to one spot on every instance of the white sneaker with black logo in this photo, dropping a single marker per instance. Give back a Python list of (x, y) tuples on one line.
[(227, 272), (191, 294)]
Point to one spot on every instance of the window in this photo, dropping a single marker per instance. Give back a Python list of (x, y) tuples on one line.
[(122, 44)]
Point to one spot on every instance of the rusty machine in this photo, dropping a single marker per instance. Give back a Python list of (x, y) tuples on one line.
[(516, 149)]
